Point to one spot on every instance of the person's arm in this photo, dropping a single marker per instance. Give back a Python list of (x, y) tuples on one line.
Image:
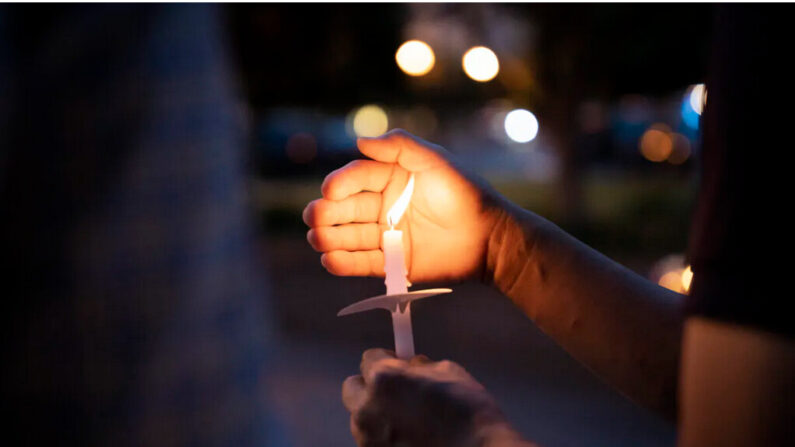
[(623, 327)]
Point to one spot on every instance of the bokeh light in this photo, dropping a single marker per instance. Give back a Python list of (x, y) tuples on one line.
[(681, 149), (673, 273), (698, 98), (671, 281), (656, 143), (301, 148), (687, 278), (370, 121), (690, 116), (481, 64), (521, 125), (678, 280), (415, 58)]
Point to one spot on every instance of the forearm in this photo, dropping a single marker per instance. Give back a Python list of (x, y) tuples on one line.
[(621, 326)]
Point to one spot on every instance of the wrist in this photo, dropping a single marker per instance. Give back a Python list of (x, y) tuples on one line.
[(511, 247)]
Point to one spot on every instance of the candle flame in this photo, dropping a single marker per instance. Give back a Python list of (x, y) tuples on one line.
[(397, 210)]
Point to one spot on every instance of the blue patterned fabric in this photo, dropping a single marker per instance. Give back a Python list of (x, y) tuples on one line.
[(135, 304)]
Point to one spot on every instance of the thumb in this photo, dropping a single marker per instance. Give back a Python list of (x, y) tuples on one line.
[(398, 146)]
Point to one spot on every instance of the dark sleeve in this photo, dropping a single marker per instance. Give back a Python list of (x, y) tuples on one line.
[(739, 254)]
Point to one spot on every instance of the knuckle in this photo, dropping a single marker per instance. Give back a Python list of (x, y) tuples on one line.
[(311, 237), (373, 262), (445, 365), (309, 213), (398, 133), (324, 188), (357, 210), (347, 209), (322, 239), (359, 268), (355, 239), (385, 366), (333, 264), (324, 212), (374, 234), (372, 352), (356, 163), (350, 382)]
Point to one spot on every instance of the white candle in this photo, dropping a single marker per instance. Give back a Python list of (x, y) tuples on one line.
[(394, 263), (395, 274), (396, 283)]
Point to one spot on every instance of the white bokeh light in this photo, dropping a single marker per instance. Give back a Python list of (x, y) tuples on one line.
[(698, 98), (521, 125), (370, 121)]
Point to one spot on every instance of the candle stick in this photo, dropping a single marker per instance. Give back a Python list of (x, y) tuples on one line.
[(397, 299), (395, 274)]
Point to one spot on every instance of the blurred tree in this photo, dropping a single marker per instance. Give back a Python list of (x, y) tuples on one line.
[(320, 54), (603, 52)]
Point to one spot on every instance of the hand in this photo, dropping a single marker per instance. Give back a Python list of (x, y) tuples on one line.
[(421, 403), (445, 229)]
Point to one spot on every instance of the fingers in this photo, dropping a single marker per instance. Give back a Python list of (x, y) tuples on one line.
[(356, 176), (420, 359), (399, 146), (362, 207), (446, 366), (357, 434), (377, 360), (350, 237), (354, 393), (356, 263)]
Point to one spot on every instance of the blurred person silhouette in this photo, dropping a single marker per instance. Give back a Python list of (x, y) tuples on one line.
[(721, 361), (134, 306)]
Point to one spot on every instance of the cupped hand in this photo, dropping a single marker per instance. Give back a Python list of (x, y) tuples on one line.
[(421, 403), (445, 228)]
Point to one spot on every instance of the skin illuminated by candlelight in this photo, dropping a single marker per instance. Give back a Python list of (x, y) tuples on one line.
[(450, 215), (620, 325)]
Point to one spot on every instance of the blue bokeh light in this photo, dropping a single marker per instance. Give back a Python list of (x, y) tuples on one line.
[(689, 116)]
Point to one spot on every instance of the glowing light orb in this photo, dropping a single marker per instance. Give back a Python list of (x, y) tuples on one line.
[(415, 58), (698, 98), (691, 108), (681, 150), (671, 281), (481, 64), (370, 121), (687, 278), (521, 125), (656, 143)]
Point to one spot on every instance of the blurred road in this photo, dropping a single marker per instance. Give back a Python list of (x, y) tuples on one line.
[(548, 396)]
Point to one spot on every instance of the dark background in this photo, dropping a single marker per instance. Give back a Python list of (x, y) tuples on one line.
[(596, 76)]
